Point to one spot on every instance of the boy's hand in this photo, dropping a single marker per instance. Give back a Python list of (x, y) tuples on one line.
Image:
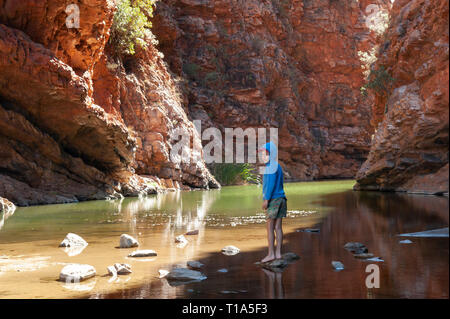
[(265, 204)]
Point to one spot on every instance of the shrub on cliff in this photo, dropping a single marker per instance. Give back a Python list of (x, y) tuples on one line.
[(131, 25)]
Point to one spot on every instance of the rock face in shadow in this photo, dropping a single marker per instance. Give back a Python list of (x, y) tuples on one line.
[(409, 150), (75, 126), (290, 64)]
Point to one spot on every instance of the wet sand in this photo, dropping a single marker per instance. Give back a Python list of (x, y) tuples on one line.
[(40, 262)]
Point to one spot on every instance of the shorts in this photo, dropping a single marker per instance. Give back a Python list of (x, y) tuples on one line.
[(277, 208)]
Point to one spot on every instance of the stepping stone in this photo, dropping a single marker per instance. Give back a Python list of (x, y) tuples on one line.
[(279, 264), (179, 276), (76, 273), (126, 241), (337, 265), (143, 253)]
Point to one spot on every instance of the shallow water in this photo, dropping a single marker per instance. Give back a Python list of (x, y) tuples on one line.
[(30, 260)]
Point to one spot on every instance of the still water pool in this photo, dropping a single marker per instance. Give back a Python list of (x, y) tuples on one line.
[(30, 260)]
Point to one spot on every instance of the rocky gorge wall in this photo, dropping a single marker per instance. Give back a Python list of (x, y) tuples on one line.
[(74, 126), (410, 146), (289, 64)]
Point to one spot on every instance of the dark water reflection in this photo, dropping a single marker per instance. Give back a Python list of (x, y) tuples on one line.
[(417, 270)]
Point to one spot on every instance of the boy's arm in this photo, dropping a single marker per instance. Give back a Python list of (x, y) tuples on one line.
[(268, 186)]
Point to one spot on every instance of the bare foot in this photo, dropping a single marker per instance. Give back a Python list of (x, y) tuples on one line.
[(278, 255), (268, 258)]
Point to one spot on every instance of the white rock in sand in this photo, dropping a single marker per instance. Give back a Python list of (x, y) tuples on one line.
[(126, 241), (230, 250), (123, 269), (112, 271), (73, 240), (181, 239), (143, 253), (76, 272)]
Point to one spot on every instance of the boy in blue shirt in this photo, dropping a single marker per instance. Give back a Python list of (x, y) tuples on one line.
[(274, 200)]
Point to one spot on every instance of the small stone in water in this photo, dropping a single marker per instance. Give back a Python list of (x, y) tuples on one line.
[(222, 270), (163, 273), (192, 232), (126, 241), (310, 230), (195, 264), (181, 239), (76, 273), (123, 269), (73, 240), (230, 250), (374, 259), (112, 271), (143, 253), (363, 256), (406, 241), (337, 265)]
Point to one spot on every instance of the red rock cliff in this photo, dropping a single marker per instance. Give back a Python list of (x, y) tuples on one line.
[(73, 126), (289, 64), (409, 150)]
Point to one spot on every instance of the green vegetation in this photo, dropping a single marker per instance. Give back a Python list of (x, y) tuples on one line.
[(192, 71), (232, 174), (379, 81), (130, 26)]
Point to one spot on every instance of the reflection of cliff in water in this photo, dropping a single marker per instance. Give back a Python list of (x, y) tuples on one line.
[(417, 270)]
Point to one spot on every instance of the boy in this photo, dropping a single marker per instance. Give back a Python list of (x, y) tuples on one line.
[(274, 200)]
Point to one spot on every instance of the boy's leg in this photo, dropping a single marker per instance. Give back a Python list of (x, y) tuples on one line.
[(279, 234), (271, 240)]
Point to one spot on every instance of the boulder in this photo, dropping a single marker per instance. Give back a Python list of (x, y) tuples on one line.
[(126, 241), (230, 250), (143, 253), (76, 273)]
